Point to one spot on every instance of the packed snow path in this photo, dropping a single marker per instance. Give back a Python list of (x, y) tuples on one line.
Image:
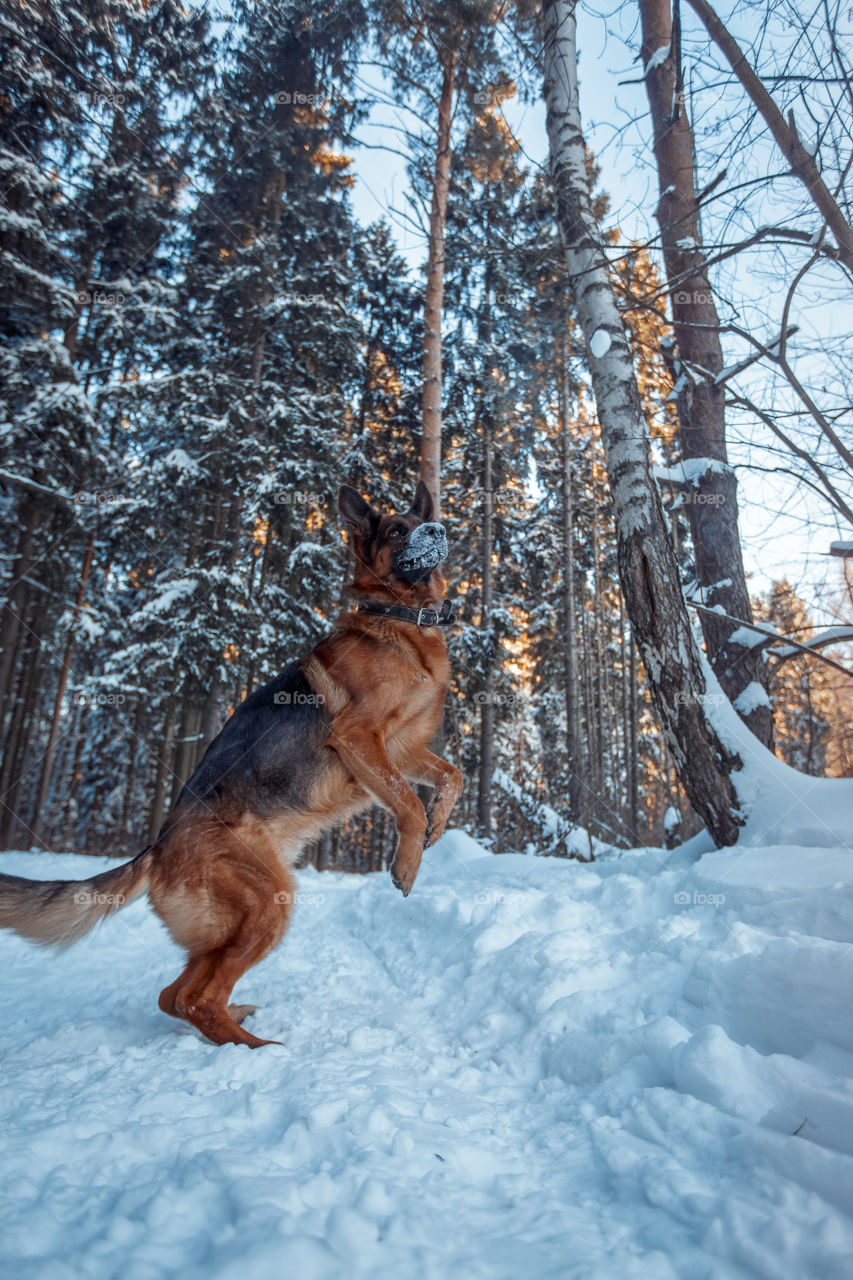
[(530, 1068)]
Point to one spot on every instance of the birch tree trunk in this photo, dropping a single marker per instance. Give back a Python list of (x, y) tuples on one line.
[(430, 468), (710, 498), (647, 566)]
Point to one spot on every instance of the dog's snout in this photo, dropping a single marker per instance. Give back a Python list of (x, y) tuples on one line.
[(426, 547)]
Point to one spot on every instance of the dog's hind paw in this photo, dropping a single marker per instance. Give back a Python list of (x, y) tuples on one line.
[(239, 1012), (403, 879)]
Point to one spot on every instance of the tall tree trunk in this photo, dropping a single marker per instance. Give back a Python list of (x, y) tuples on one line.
[(629, 720), (22, 724), (803, 163), (487, 710), (569, 620), (213, 716), (710, 497), (430, 468), (130, 810), (186, 743), (40, 813), (632, 739), (164, 771), (590, 715), (602, 721), (647, 566), (13, 606), (66, 831), (269, 223)]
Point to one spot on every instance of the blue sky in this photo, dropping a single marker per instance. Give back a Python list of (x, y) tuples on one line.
[(784, 531)]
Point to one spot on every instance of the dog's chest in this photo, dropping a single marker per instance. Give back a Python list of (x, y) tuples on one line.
[(394, 679), (415, 701)]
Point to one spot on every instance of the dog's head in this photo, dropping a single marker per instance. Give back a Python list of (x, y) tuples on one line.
[(401, 551)]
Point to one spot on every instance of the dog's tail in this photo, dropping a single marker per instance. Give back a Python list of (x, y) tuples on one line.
[(59, 912)]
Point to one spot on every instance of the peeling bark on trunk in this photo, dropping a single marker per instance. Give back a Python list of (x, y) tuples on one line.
[(711, 501), (430, 468), (647, 565)]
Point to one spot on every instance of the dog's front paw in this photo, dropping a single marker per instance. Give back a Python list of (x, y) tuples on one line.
[(403, 876), (437, 816), (433, 834)]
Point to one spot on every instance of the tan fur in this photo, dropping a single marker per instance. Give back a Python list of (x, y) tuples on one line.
[(221, 880), (60, 912)]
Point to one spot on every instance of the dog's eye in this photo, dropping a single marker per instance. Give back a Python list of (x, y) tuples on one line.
[(397, 530)]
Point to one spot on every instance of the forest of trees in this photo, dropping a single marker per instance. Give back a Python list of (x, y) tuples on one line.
[(201, 342)]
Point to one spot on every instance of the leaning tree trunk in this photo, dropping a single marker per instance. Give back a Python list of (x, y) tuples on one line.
[(430, 468), (711, 493), (647, 565)]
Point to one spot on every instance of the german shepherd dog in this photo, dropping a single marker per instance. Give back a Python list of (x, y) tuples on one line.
[(348, 725)]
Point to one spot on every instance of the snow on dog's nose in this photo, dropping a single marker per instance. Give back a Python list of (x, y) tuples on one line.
[(426, 547)]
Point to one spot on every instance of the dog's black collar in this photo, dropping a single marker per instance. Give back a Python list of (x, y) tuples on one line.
[(442, 617)]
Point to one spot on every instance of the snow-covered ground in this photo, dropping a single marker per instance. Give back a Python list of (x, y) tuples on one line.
[(637, 1069)]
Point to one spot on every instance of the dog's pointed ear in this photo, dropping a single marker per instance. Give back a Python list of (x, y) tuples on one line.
[(423, 506), (357, 514)]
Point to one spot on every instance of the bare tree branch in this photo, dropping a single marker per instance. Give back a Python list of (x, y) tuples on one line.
[(803, 165)]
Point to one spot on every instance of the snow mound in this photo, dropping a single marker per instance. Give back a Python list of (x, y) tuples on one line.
[(454, 847), (620, 1070), (782, 806)]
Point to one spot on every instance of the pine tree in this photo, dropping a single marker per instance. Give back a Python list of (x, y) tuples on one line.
[(245, 425)]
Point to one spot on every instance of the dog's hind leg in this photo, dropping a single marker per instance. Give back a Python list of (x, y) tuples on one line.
[(203, 1000), (168, 996), (224, 895), (202, 992)]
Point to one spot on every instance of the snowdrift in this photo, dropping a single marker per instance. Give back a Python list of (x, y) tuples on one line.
[(781, 805), (630, 1069)]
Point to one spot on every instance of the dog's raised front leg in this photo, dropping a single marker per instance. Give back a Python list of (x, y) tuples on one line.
[(446, 778), (363, 752)]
